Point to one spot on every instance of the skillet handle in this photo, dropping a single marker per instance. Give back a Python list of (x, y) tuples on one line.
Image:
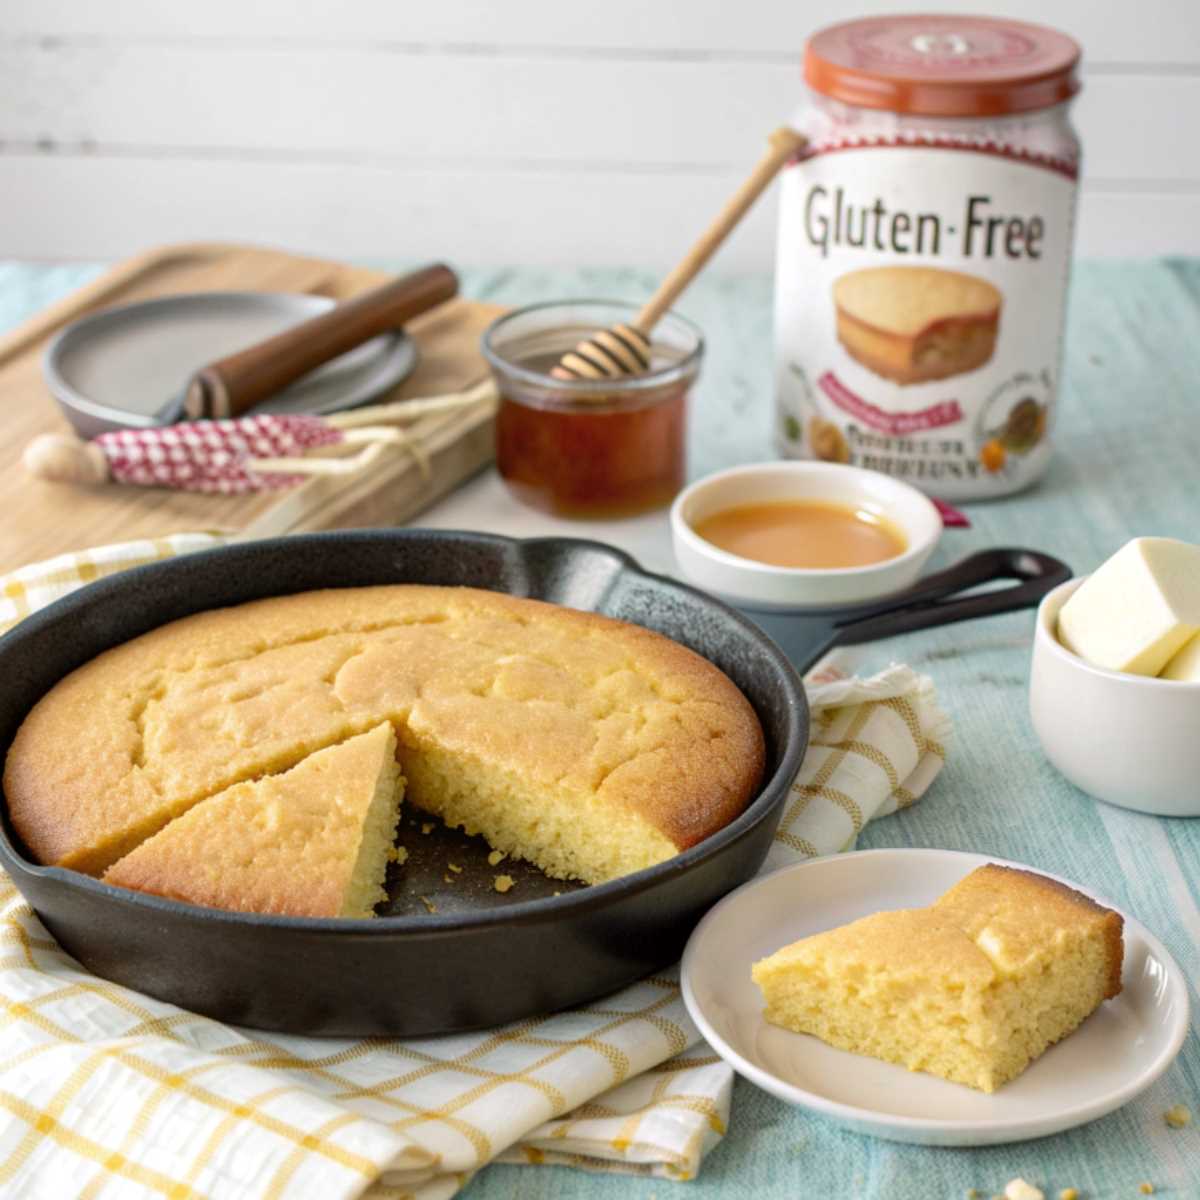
[(936, 599)]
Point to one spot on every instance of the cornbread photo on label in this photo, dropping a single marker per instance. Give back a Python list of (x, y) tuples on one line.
[(972, 988), (915, 324), (587, 746)]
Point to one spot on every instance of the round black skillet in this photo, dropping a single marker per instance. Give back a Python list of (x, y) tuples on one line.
[(448, 952)]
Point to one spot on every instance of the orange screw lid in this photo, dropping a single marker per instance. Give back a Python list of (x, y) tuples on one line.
[(943, 66)]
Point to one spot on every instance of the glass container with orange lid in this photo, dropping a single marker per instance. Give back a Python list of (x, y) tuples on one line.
[(924, 247), (590, 448)]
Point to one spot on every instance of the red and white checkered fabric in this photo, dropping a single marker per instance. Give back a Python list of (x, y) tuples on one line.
[(213, 456)]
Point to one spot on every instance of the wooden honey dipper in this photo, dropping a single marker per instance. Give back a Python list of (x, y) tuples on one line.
[(625, 349)]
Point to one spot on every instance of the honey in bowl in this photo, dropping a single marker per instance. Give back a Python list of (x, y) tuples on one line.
[(812, 534)]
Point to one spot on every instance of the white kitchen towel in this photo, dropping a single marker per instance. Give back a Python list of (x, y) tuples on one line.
[(108, 1092)]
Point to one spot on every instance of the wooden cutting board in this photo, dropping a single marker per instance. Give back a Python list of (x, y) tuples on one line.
[(43, 519)]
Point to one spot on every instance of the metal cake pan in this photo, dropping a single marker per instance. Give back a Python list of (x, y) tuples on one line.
[(125, 367)]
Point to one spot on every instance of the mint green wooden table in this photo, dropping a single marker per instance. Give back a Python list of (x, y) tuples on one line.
[(1128, 463)]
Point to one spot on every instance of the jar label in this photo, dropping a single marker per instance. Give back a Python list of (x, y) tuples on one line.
[(919, 310)]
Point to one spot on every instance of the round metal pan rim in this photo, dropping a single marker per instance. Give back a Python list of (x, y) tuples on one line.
[(71, 399), (764, 804)]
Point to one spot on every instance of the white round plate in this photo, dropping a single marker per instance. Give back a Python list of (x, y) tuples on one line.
[(1117, 1052)]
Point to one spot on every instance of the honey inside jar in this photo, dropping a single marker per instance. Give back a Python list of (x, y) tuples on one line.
[(589, 449), (815, 534), (597, 457)]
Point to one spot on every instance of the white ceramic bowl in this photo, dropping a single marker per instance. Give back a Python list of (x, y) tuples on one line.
[(1127, 739), (759, 585)]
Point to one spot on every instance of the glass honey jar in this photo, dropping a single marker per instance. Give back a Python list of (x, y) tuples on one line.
[(590, 448)]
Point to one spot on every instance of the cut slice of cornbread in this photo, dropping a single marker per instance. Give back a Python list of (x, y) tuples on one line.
[(312, 842), (972, 988)]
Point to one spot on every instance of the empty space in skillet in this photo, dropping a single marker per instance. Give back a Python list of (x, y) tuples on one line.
[(427, 883)]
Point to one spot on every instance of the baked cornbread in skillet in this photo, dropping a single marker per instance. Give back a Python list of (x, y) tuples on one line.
[(312, 842), (972, 988), (590, 746)]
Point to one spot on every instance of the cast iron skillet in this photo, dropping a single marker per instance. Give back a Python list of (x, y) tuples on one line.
[(479, 958)]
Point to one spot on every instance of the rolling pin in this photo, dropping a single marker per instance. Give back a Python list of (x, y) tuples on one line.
[(232, 385)]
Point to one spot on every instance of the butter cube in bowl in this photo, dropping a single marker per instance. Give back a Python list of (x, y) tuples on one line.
[(1115, 683)]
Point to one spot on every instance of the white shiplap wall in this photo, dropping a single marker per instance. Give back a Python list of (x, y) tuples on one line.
[(525, 131)]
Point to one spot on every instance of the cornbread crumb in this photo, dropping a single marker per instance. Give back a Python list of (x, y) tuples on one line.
[(1178, 1116), (430, 907), (455, 869), (1147, 1189), (503, 883), (496, 858), (401, 854), (973, 1194), (1018, 1189), (447, 878), (1069, 1194), (426, 826)]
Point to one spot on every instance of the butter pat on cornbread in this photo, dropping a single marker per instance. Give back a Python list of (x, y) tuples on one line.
[(1138, 609), (972, 988)]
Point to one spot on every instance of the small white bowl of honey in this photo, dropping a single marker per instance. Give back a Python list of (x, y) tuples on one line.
[(792, 535)]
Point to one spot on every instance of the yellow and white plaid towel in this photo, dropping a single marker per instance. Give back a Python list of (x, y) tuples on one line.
[(106, 1092)]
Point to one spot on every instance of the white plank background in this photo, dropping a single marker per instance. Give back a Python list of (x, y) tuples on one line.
[(531, 131)]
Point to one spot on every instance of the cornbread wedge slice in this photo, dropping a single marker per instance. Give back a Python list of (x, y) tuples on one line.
[(312, 842), (972, 988)]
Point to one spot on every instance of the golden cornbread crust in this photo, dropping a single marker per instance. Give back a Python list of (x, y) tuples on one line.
[(554, 702)]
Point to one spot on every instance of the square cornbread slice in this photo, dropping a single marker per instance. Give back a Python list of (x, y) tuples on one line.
[(916, 324), (972, 988), (312, 842)]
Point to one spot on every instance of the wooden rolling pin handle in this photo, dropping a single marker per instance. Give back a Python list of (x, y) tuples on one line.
[(234, 384), (61, 458), (784, 144)]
